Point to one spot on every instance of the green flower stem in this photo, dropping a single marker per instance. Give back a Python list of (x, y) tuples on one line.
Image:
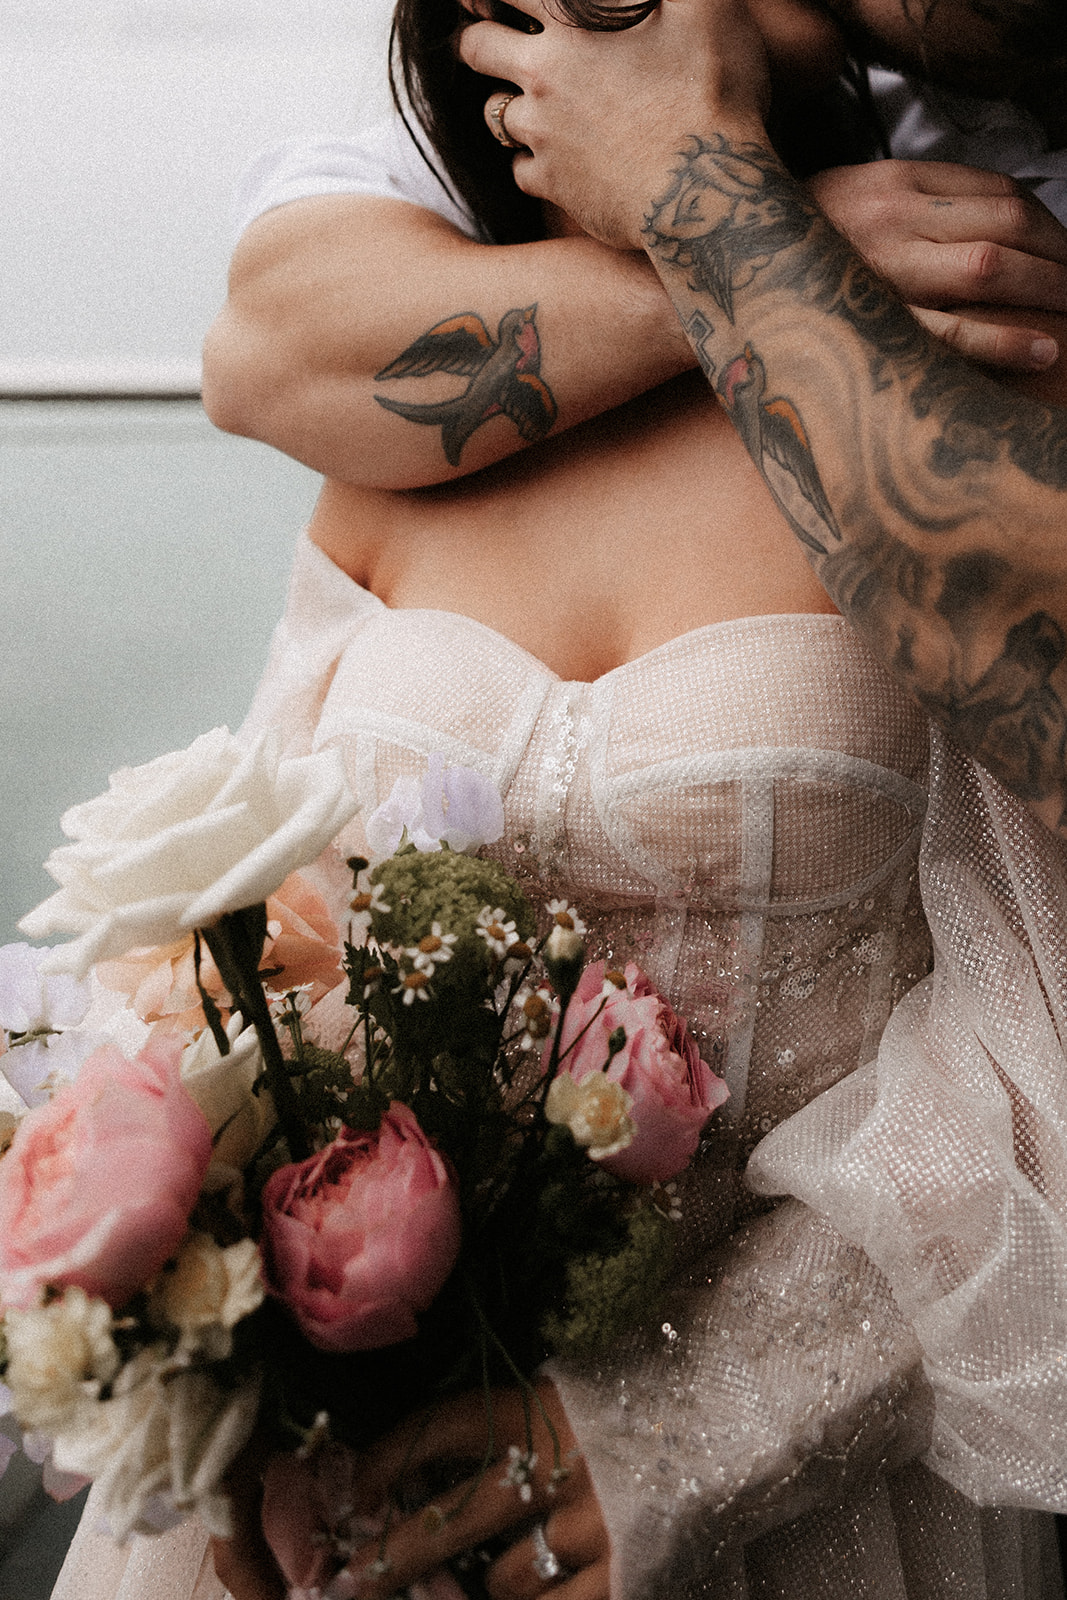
[(236, 942), (525, 1387)]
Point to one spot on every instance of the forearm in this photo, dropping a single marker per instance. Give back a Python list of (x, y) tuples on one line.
[(931, 501), (327, 294)]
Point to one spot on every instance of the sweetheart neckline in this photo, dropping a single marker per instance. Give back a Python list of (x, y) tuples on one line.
[(835, 620)]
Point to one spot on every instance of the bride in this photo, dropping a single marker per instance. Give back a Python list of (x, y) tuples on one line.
[(856, 1388)]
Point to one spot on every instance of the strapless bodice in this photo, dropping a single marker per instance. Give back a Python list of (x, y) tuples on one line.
[(737, 810)]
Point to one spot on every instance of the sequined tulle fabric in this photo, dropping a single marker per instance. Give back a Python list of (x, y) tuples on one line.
[(873, 1323)]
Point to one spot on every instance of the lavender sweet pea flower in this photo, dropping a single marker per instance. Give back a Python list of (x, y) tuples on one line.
[(456, 806), (33, 1001)]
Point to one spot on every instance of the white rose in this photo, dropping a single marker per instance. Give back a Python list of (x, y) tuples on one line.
[(597, 1112), (160, 1445), (59, 1356), (222, 1088), (177, 842), (207, 1292)]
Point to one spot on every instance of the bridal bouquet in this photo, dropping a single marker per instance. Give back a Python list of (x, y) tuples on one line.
[(298, 1187)]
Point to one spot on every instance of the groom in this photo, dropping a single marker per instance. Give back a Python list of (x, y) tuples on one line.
[(951, 560)]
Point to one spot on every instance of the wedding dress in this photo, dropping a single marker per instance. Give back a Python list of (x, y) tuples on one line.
[(740, 811)]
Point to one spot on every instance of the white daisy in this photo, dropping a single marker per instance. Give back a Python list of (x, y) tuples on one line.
[(413, 986), (431, 950), (363, 903)]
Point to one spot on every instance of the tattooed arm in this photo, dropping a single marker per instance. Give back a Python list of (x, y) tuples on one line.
[(931, 501), (347, 313), (377, 344)]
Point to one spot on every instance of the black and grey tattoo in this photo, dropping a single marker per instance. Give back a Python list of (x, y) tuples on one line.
[(505, 377), (911, 546), (763, 220)]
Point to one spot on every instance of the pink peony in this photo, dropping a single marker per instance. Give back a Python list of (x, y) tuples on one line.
[(672, 1092), (98, 1184), (362, 1235)]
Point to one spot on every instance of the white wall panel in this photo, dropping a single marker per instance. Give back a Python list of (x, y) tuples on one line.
[(125, 123)]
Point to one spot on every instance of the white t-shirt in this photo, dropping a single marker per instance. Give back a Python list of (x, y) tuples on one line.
[(922, 123), (384, 162)]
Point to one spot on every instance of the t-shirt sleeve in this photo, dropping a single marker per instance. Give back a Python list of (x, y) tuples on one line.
[(384, 161)]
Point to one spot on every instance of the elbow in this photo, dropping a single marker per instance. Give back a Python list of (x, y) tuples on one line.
[(237, 379)]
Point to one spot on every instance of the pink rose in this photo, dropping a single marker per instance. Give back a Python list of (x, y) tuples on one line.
[(362, 1235), (672, 1092), (98, 1184)]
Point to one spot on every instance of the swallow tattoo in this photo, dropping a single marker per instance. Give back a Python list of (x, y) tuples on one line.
[(777, 441), (505, 377)]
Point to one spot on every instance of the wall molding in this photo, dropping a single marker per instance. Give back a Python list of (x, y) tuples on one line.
[(39, 380)]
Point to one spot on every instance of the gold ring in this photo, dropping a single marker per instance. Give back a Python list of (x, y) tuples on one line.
[(494, 116)]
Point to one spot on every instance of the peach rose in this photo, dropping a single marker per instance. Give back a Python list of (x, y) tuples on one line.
[(302, 941), (98, 1184), (671, 1092), (360, 1237)]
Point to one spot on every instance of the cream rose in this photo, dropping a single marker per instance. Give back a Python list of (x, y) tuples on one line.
[(207, 1292), (597, 1112), (174, 844)]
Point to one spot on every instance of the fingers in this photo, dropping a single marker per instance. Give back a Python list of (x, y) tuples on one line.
[(576, 1536), (993, 344), (467, 1517), (949, 178), (1016, 221), (497, 51), (459, 1430), (489, 1504), (944, 234), (591, 1583), (935, 274), (244, 1563)]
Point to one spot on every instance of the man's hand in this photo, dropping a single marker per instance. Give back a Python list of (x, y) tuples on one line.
[(949, 237), (601, 115)]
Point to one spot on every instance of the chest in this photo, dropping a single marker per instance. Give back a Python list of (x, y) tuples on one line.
[(593, 548)]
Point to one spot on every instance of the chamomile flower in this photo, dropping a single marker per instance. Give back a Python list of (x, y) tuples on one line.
[(564, 915), (537, 1008), (498, 932), (294, 1002), (413, 986), (363, 905), (432, 949)]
